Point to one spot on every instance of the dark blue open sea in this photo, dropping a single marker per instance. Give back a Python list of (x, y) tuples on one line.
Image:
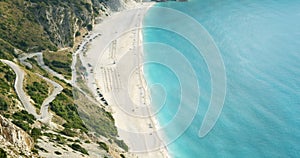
[(259, 42)]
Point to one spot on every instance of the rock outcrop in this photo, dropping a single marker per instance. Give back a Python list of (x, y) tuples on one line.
[(62, 19), (14, 139)]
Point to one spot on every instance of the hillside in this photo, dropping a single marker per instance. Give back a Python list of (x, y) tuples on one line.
[(37, 40)]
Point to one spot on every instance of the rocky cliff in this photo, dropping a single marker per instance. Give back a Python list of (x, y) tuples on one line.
[(13, 139), (35, 25)]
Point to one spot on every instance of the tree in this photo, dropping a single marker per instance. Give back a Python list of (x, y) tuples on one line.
[(2, 153), (89, 27)]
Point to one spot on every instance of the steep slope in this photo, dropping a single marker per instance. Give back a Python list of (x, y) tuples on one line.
[(14, 139), (46, 26), (35, 25)]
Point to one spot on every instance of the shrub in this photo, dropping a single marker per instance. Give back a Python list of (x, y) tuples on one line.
[(77, 147), (25, 126), (3, 105), (68, 132), (103, 146), (57, 152), (35, 133), (77, 34), (89, 27), (60, 140), (24, 116), (122, 156), (2, 153)]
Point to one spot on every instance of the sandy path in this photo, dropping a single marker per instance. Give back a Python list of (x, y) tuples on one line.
[(116, 60)]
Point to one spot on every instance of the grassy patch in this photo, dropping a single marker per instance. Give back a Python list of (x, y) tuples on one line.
[(96, 118), (121, 144), (59, 61)]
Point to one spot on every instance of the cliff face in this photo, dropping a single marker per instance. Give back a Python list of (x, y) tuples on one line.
[(58, 22), (35, 25), (13, 139), (61, 19)]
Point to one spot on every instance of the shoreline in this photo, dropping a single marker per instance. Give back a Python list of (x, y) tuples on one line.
[(108, 57)]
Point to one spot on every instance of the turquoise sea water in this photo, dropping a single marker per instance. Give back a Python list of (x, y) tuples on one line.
[(259, 42)]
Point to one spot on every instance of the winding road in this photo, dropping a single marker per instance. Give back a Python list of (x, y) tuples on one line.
[(41, 63), (19, 87), (45, 116)]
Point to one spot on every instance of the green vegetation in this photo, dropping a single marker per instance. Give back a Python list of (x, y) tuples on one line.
[(77, 34), (24, 125), (2, 153), (77, 141), (25, 27), (35, 133), (64, 107), (38, 91), (25, 24), (6, 50), (23, 120), (56, 138), (3, 105), (7, 93), (103, 146), (57, 152), (77, 147), (34, 151), (89, 27), (19, 27), (60, 62), (24, 116), (68, 132), (97, 119), (121, 144)]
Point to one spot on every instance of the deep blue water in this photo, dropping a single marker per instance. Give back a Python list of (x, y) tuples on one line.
[(259, 42)]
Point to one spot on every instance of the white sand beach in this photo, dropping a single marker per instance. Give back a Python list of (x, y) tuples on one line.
[(114, 62)]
